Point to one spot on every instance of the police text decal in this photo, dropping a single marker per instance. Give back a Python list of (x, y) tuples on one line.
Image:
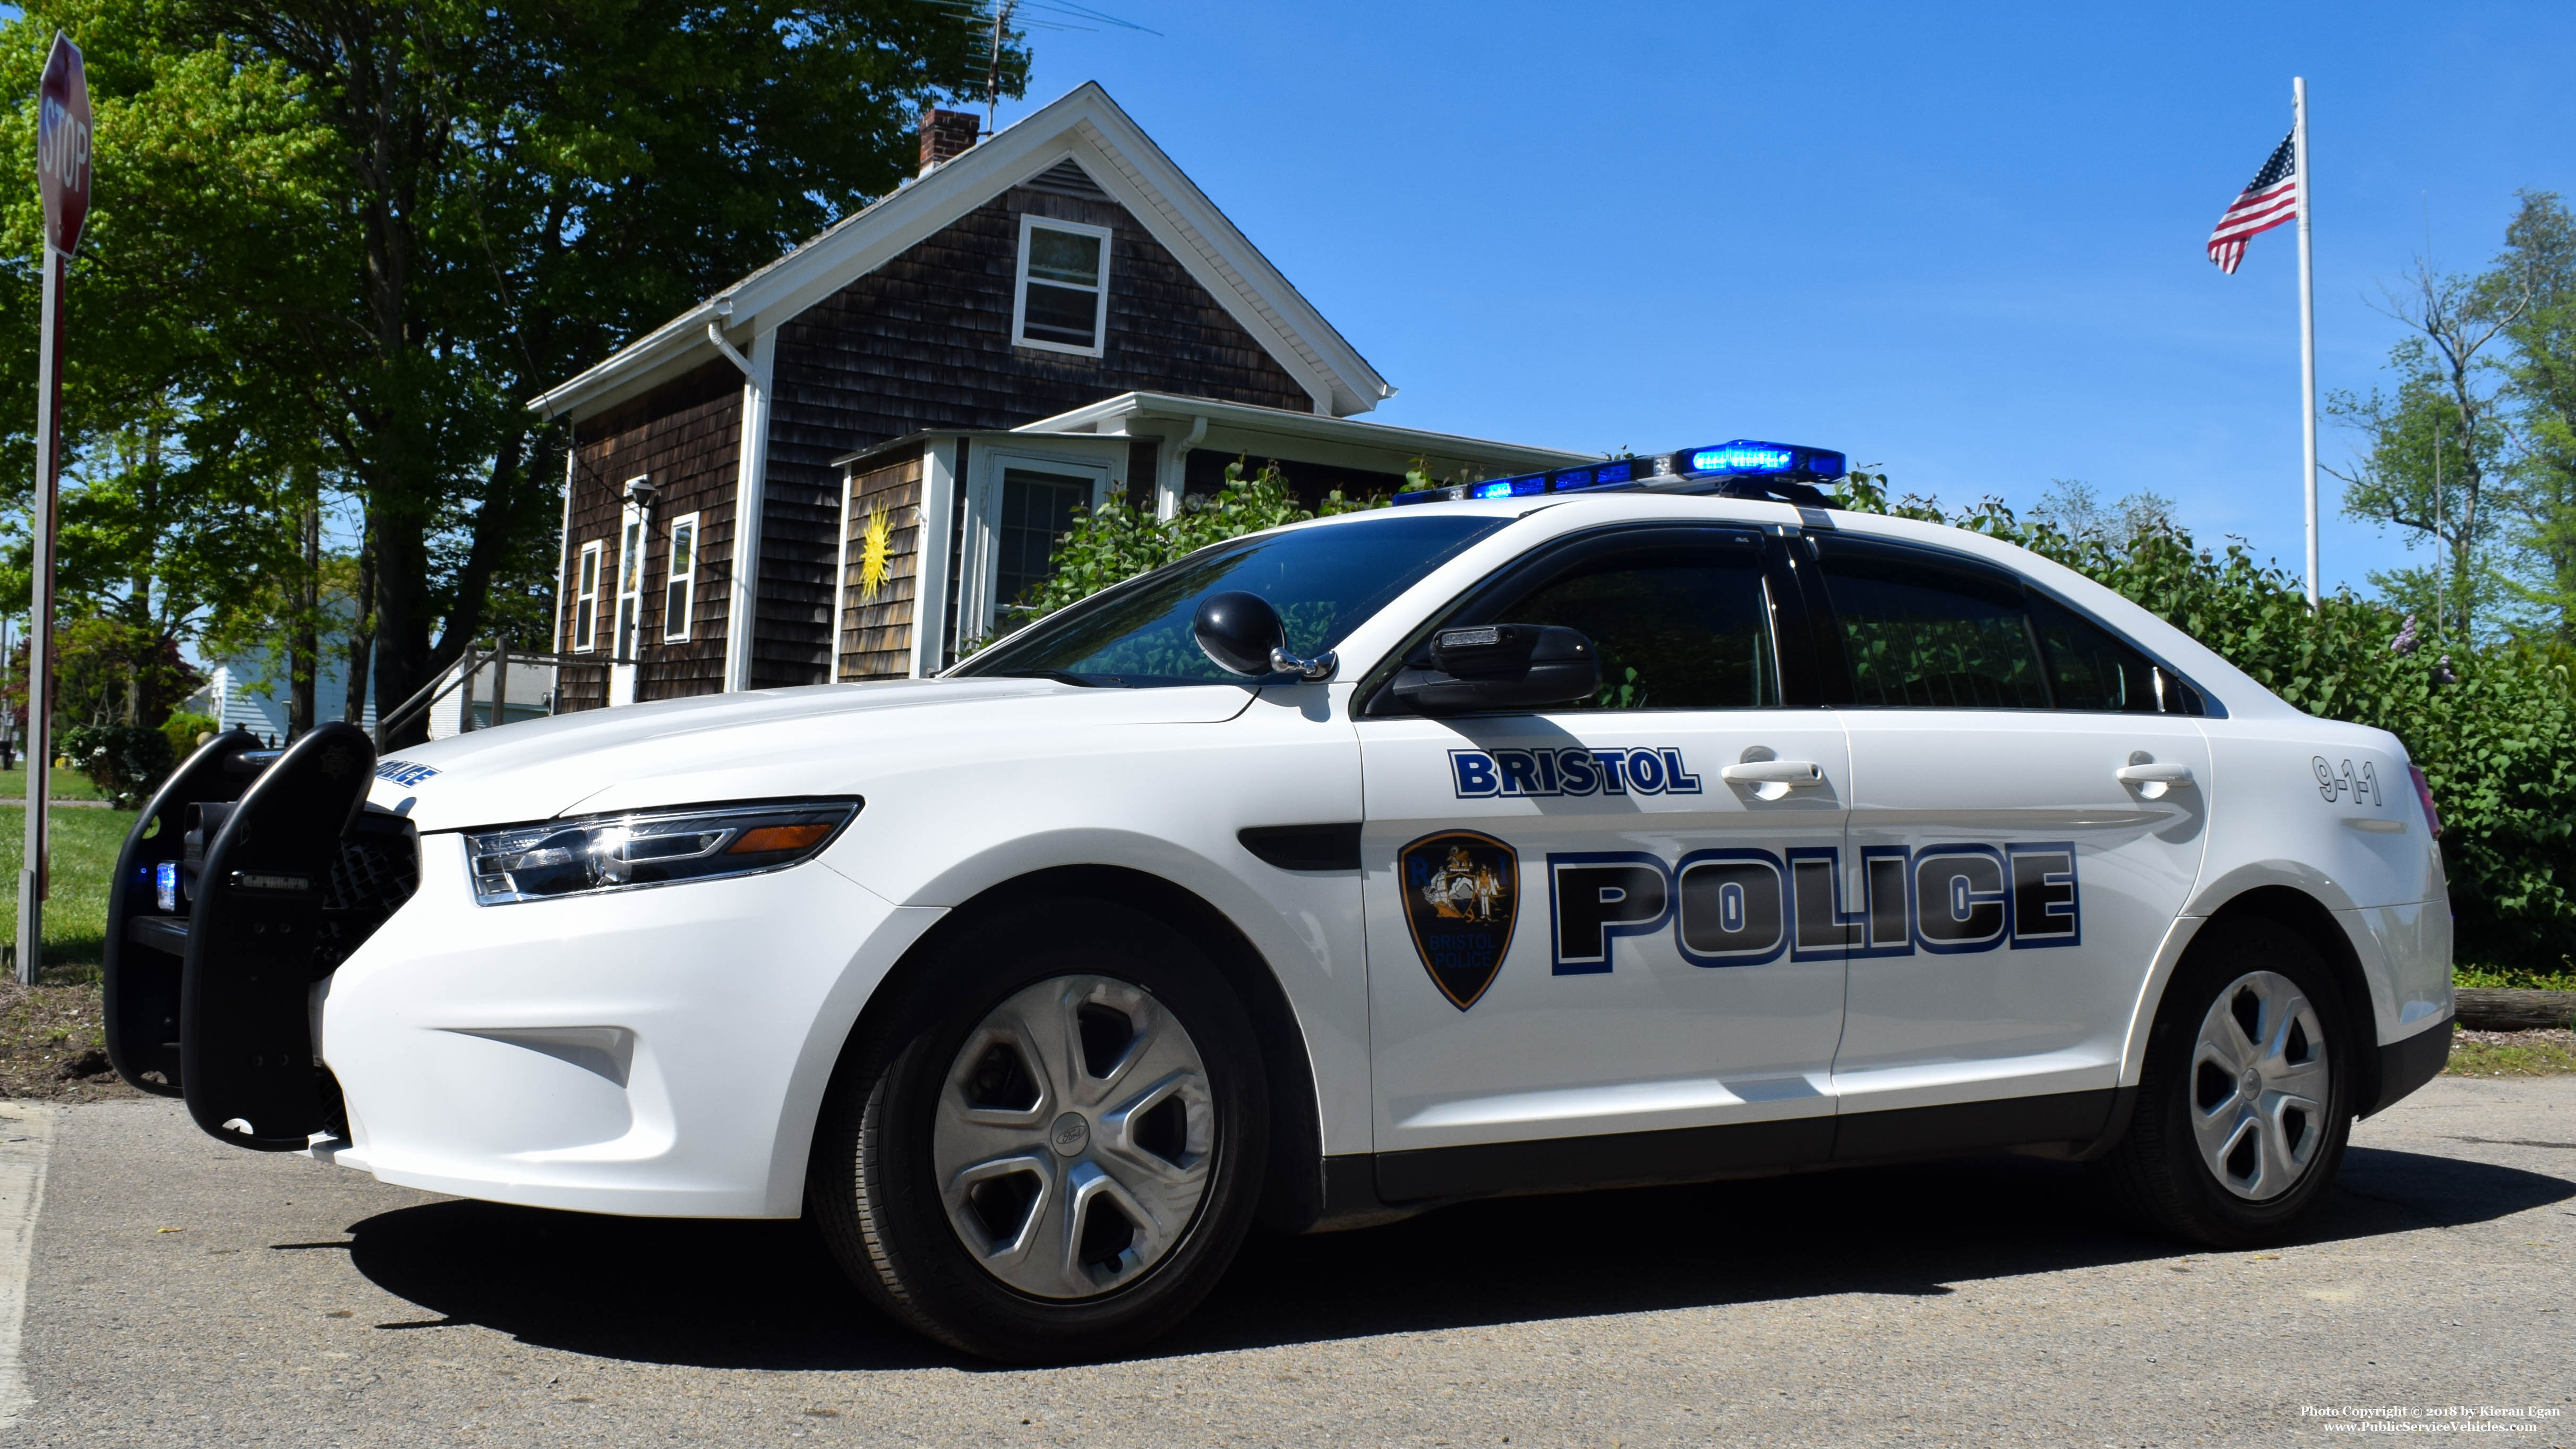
[(1742, 907)]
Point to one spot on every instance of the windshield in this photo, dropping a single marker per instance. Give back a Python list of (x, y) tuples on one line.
[(1323, 581)]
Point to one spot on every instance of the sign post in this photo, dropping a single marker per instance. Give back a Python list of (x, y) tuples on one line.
[(63, 174)]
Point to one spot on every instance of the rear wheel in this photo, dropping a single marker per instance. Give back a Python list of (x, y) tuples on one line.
[(2245, 1100), (1048, 1147)]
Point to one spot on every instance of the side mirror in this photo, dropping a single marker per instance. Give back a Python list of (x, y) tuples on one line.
[(1238, 631), (1500, 666), (1242, 634)]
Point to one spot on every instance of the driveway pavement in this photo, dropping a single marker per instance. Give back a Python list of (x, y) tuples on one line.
[(183, 1292)]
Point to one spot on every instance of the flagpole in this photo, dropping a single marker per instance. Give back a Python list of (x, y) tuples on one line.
[(2307, 320)]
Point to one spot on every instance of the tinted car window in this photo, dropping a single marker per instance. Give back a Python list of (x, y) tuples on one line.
[(1677, 627), (2091, 668), (2087, 668), (1323, 581), (1917, 633)]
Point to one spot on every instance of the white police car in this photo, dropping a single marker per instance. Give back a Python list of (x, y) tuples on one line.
[(1635, 824)]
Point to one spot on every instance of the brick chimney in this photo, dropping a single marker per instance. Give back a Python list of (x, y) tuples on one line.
[(947, 135)]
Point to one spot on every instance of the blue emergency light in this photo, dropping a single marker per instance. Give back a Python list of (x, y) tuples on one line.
[(1780, 465), (1745, 458)]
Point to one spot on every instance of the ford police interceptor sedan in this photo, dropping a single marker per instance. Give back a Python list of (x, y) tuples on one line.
[(1641, 823)]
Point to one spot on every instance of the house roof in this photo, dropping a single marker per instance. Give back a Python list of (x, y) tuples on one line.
[(1222, 427), (1086, 127), (1245, 428)]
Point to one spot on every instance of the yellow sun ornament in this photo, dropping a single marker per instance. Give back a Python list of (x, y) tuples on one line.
[(875, 546)]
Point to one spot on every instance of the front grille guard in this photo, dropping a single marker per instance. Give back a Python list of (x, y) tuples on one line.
[(283, 874)]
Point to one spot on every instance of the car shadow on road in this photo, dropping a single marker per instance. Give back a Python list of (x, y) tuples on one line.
[(768, 1295)]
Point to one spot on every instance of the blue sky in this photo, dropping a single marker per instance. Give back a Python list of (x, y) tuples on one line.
[(1960, 242)]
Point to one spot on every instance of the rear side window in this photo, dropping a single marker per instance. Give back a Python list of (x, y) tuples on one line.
[(1919, 634), (1678, 627), (2091, 668), (1919, 631)]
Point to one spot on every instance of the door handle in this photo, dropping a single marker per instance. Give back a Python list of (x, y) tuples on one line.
[(2155, 781), (1772, 779), (1772, 772)]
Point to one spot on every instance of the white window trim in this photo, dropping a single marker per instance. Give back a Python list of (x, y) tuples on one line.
[(1106, 467), (1031, 221), (586, 641), (634, 521), (685, 523)]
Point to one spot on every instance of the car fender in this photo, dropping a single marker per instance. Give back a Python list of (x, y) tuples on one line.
[(1288, 917), (802, 1106)]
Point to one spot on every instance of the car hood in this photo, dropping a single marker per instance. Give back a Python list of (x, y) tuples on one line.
[(823, 740)]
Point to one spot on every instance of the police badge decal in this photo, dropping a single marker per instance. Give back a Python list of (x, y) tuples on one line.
[(1461, 895)]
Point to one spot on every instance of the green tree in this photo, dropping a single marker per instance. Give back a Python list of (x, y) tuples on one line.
[(2435, 445), (358, 238), (2539, 264)]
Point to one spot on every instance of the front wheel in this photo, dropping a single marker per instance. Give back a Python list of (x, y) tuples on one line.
[(2244, 1103), (1048, 1146)]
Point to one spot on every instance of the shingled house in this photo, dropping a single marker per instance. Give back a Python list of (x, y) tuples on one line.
[(924, 392)]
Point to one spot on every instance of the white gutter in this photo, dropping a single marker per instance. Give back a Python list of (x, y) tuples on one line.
[(750, 495)]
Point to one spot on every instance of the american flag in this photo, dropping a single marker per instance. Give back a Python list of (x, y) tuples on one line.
[(2268, 200)]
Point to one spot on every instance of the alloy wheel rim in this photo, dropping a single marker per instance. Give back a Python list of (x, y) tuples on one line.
[(2259, 1083), (1074, 1137)]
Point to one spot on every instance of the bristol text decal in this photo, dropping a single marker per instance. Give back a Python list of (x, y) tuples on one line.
[(1461, 895), (1742, 907), (1655, 770)]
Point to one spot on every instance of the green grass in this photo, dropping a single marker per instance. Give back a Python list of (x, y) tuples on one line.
[(65, 785), (2533, 1058), (86, 843), (2522, 978)]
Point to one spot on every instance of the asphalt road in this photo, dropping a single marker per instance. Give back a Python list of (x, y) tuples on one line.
[(182, 1292)]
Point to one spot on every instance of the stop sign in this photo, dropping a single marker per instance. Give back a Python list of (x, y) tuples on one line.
[(62, 144)]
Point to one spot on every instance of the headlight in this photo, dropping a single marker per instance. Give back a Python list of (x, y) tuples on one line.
[(624, 852)]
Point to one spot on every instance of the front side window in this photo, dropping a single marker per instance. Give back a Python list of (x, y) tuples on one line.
[(1062, 304), (1037, 509), (1324, 581), (680, 594), (1677, 627), (585, 609), (1919, 633)]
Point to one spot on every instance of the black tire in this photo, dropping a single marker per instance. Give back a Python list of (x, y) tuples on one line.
[(2159, 1173), (875, 1190)]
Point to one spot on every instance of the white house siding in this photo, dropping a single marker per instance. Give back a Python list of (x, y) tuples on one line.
[(250, 693), (532, 695)]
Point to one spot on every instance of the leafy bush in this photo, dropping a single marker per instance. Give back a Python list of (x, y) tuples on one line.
[(2493, 728), (1118, 542), (182, 729), (126, 762)]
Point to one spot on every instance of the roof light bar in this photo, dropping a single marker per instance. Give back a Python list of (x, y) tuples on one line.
[(1745, 459), (1616, 473)]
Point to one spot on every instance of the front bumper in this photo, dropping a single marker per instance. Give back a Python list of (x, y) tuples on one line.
[(656, 1052)]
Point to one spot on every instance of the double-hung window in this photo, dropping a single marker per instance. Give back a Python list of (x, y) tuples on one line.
[(585, 609), (630, 582), (1062, 300), (680, 594)]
